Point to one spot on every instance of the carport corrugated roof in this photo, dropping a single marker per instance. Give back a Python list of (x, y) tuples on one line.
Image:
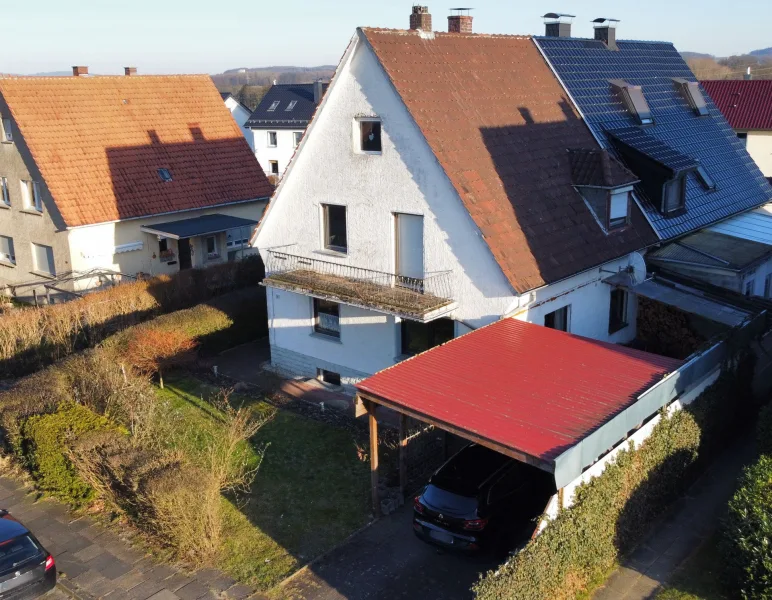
[(520, 386)]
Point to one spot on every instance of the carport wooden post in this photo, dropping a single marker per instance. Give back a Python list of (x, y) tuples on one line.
[(371, 408), (402, 452)]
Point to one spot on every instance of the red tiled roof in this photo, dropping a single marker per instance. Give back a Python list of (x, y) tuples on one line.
[(746, 104), (500, 125), (522, 386), (99, 142)]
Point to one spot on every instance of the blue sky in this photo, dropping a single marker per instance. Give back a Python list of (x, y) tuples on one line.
[(205, 36)]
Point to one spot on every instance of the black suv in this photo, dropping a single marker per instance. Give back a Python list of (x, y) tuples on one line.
[(27, 570), (481, 500)]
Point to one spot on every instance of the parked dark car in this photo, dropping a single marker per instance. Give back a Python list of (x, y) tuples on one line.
[(480, 500), (27, 570)]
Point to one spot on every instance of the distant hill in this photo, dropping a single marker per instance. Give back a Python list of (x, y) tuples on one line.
[(688, 55), (282, 69), (766, 52), (267, 75), (53, 74)]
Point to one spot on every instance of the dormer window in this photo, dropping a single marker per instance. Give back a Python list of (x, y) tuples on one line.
[(274, 106), (690, 90), (619, 209), (635, 101), (674, 195)]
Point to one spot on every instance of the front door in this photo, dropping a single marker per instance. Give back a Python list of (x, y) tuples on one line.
[(183, 246), (409, 248)]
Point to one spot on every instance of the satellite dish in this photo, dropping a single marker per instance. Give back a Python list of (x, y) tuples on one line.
[(637, 268)]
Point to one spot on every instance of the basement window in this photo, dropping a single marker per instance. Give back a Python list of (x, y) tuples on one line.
[(370, 136), (290, 106), (274, 106), (334, 227), (327, 317), (617, 318), (690, 90), (165, 175), (328, 377), (559, 319), (635, 101)]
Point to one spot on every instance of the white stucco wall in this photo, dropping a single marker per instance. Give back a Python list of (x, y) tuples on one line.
[(759, 146), (404, 178), (240, 114), (285, 148), (93, 246)]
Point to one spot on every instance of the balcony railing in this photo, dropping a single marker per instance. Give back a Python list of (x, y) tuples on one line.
[(418, 299)]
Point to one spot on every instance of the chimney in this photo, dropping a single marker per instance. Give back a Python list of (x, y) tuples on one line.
[(129, 71), (558, 24), (79, 71), (318, 91), (748, 76), (420, 18), (460, 21), (606, 32)]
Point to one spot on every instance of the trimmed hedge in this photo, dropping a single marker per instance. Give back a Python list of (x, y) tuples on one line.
[(613, 511), (34, 337), (46, 438), (747, 533)]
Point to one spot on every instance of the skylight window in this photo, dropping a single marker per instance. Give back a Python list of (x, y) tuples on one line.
[(705, 179), (291, 105), (274, 106), (691, 92), (165, 175), (634, 100)]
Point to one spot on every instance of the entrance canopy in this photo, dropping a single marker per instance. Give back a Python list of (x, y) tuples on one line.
[(527, 391), (198, 226)]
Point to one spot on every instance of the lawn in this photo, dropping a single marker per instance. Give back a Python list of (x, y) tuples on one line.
[(310, 493), (698, 577)]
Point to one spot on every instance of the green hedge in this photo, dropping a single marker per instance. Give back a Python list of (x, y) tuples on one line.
[(747, 533), (612, 512), (46, 439)]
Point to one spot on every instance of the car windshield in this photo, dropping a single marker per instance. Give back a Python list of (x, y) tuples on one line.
[(16, 551), (443, 500)]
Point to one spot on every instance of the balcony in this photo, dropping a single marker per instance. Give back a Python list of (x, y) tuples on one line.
[(417, 299)]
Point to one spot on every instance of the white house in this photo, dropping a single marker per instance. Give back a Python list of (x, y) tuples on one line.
[(278, 123), (433, 194), (240, 114), (129, 175)]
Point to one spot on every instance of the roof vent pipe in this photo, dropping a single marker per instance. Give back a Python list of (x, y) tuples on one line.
[(129, 71), (606, 32), (748, 75), (460, 21), (420, 18), (558, 24), (79, 71)]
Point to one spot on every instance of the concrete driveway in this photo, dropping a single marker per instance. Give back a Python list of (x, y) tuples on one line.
[(385, 562)]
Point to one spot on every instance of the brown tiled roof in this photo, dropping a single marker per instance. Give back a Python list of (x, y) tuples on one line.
[(99, 142), (597, 168), (500, 125)]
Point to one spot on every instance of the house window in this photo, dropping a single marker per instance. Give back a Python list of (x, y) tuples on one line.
[(674, 195), (272, 140), (617, 318), (370, 136), (163, 245), (334, 217), (7, 255), (768, 285), (238, 237), (419, 337), (274, 106), (297, 135), (165, 175), (273, 167), (7, 133), (328, 377), (327, 317), (211, 246), (618, 210), (291, 105), (749, 285), (43, 259), (5, 193), (558, 319), (30, 193), (743, 137)]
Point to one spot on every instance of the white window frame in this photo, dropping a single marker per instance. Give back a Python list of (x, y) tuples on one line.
[(270, 167), (324, 230), (357, 135), (214, 253), (8, 259), (568, 310), (331, 333), (5, 193), (30, 192), (291, 105), (296, 137), (36, 265), (275, 135), (274, 106), (7, 131)]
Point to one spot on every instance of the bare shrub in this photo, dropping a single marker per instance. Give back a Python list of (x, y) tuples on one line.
[(151, 350)]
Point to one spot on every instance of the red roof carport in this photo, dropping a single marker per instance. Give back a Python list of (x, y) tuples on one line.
[(522, 389)]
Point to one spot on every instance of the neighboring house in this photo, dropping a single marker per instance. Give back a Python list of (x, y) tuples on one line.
[(643, 103), (747, 105), (436, 193), (278, 123), (240, 114), (135, 174)]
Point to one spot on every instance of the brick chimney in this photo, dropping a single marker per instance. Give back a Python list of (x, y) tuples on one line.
[(129, 71), (420, 18), (606, 32), (79, 71), (460, 21)]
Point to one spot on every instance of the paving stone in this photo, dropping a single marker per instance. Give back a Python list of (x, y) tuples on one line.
[(177, 581), (192, 591), (117, 594), (207, 575), (71, 568), (115, 569), (221, 583), (239, 592), (161, 572), (144, 590), (130, 579), (88, 553), (164, 595), (87, 579), (75, 544)]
